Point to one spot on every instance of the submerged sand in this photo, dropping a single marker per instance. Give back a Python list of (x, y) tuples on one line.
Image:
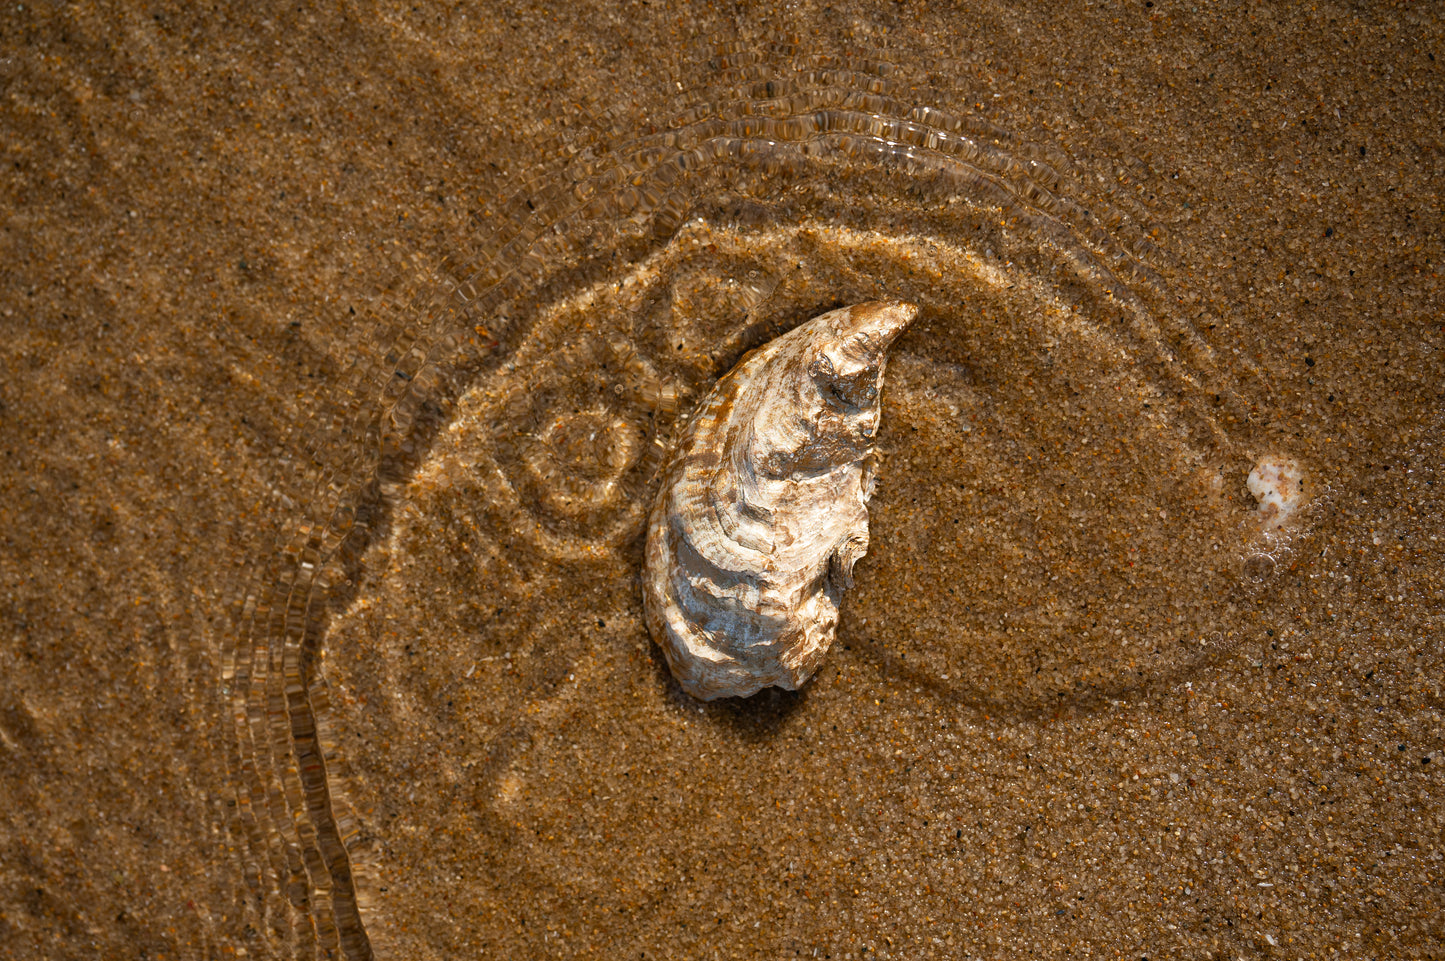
[(321, 641)]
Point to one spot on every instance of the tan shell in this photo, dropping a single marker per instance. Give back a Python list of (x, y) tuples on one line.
[(763, 508)]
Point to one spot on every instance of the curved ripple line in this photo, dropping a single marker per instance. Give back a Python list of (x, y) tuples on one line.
[(760, 130)]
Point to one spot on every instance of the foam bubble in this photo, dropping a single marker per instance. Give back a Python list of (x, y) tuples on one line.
[(1278, 484)]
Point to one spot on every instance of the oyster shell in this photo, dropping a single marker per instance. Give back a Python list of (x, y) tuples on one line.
[(763, 507)]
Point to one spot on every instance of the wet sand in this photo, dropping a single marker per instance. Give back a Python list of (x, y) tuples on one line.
[(322, 628)]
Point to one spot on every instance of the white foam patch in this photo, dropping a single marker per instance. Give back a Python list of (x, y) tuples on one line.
[(1278, 484)]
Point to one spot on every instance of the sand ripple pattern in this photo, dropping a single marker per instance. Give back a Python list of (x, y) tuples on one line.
[(540, 381)]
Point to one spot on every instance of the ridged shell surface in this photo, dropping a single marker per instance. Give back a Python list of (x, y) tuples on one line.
[(763, 507)]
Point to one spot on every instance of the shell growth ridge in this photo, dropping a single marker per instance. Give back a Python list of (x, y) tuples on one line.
[(762, 512)]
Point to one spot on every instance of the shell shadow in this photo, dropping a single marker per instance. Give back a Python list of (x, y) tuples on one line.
[(758, 719)]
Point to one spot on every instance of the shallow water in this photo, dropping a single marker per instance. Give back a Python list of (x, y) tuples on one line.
[(326, 634)]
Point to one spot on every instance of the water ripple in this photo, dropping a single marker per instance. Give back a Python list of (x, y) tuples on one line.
[(479, 475)]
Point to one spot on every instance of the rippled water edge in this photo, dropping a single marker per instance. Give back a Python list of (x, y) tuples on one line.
[(154, 491), (825, 148)]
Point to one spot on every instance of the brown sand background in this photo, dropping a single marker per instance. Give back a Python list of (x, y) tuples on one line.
[(198, 205)]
